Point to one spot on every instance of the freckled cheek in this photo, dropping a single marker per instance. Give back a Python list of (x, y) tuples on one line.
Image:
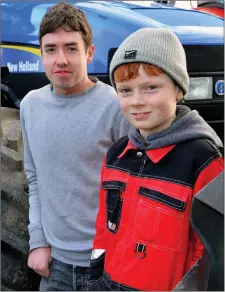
[(165, 109), (124, 104), (158, 104)]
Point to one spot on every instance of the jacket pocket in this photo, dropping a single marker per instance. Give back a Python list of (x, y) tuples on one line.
[(159, 220), (114, 202)]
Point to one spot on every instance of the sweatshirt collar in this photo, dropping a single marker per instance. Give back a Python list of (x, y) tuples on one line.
[(80, 94)]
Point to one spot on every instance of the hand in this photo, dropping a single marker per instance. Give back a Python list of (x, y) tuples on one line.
[(39, 259)]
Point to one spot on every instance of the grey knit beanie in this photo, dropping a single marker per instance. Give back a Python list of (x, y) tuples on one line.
[(156, 46)]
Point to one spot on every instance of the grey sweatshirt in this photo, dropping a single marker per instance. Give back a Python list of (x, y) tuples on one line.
[(65, 140)]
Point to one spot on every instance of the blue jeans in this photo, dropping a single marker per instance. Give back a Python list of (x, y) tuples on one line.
[(65, 277)]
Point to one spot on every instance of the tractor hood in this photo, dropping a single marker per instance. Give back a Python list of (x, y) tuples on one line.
[(20, 21), (192, 27), (111, 23)]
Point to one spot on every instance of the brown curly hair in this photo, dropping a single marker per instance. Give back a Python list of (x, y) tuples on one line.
[(66, 16)]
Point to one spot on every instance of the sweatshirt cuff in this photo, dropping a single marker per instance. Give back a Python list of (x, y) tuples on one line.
[(37, 239)]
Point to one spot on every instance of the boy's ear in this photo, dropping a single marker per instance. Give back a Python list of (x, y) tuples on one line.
[(90, 53), (180, 94)]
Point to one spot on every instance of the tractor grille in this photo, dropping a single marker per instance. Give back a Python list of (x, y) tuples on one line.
[(200, 59), (204, 59)]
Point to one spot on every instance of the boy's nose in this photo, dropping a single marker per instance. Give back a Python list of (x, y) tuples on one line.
[(61, 59), (137, 100)]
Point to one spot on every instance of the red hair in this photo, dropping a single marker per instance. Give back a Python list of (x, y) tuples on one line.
[(130, 71)]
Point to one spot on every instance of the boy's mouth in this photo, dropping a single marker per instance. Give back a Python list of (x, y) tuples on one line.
[(141, 115), (62, 72)]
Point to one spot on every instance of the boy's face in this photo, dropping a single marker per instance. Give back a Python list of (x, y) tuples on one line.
[(149, 102), (65, 59)]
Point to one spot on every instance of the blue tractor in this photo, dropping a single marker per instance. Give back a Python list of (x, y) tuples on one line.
[(200, 33), (21, 66)]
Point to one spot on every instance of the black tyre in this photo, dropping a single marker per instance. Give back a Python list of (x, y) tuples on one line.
[(15, 275)]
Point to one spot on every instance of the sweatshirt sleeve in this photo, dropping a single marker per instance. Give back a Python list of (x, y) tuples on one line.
[(37, 237), (98, 252), (204, 178), (121, 127), (101, 217)]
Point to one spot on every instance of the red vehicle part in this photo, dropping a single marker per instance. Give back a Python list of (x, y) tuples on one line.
[(212, 10)]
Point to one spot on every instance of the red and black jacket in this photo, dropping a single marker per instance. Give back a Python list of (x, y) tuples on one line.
[(143, 224)]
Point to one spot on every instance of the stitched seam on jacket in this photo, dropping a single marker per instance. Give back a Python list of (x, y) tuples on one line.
[(204, 165)]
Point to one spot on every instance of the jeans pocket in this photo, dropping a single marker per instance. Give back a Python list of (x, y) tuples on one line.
[(92, 285), (50, 265)]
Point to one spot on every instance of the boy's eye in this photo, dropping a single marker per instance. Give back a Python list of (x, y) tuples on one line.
[(151, 87), (71, 49), (50, 50), (124, 90)]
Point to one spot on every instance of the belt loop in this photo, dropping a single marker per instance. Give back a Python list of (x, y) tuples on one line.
[(140, 251)]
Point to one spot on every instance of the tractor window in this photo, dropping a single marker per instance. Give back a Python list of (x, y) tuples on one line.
[(17, 23), (16, 18), (36, 16)]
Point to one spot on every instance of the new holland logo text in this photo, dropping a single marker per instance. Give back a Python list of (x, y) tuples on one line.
[(219, 87), (130, 54)]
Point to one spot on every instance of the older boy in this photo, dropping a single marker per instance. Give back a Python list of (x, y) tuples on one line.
[(68, 126), (144, 240)]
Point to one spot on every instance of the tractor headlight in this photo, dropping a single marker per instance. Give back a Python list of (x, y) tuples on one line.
[(200, 88)]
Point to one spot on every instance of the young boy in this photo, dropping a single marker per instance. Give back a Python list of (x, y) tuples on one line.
[(144, 240)]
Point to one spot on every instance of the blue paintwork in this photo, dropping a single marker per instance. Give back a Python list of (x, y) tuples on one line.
[(111, 23)]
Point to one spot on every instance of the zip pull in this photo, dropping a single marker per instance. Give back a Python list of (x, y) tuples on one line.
[(140, 251)]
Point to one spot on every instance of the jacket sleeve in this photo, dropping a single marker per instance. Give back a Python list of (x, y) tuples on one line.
[(204, 178), (98, 252), (37, 237)]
